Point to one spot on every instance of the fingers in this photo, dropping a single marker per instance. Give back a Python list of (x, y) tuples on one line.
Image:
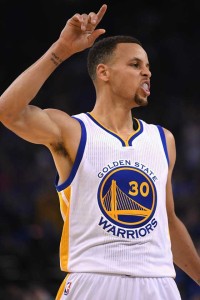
[(96, 18), (101, 12), (88, 22), (93, 18), (92, 37)]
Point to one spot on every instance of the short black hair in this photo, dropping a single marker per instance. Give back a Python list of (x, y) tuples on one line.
[(102, 50)]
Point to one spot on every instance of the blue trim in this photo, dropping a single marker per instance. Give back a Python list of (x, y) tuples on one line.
[(163, 139), (115, 135), (78, 159), (136, 134)]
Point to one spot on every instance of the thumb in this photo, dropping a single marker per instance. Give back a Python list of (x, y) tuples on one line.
[(93, 36)]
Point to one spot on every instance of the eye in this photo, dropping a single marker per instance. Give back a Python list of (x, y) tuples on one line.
[(136, 65)]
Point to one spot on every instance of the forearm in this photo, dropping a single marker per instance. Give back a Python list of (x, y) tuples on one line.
[(26, 86), (184, 253), (78, 34)]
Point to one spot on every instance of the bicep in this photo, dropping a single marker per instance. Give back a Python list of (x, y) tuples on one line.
[(34, 125)]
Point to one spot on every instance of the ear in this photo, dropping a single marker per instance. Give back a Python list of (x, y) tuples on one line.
[(102, 72)]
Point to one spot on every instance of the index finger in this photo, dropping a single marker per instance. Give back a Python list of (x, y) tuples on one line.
[(101, 12)]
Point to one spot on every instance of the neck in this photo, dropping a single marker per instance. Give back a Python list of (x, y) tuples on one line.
[(114, 117)]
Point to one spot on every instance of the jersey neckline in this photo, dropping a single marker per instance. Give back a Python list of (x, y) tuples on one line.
[(125, 142)]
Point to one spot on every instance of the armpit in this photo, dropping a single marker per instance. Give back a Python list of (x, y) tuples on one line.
[(59, 149)]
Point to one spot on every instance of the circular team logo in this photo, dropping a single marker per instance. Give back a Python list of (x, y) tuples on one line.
[(127, 197)]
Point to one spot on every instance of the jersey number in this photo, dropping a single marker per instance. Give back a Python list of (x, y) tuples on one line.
[(143, 188)]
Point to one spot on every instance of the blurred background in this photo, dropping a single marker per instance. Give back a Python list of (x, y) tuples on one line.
[(30, 220)]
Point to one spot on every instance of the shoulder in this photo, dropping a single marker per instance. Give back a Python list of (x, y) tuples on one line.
[(171, 147), (70, 128), (61, 118), (169, 139), (168, 136)]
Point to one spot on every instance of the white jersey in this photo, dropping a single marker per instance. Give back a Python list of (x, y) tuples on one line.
[(114, 203)]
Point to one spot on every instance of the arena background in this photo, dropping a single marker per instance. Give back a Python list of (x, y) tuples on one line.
[(30, 220)]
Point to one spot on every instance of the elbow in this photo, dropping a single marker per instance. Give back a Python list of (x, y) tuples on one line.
[(6, 116), (7, 119), (9, 116)]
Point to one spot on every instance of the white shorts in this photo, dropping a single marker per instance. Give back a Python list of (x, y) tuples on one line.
[(92, 286)]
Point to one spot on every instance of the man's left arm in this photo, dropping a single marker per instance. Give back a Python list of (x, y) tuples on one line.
[(185, 255)]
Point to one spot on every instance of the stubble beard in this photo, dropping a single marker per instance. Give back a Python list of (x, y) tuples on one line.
[(141, 101)]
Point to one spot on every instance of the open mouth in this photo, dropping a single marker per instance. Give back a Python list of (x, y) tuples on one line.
[(146, 88)]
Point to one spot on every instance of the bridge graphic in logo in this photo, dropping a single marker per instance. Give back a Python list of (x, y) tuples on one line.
[(127, 197)]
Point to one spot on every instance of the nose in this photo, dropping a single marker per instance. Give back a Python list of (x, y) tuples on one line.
[(146, 72)]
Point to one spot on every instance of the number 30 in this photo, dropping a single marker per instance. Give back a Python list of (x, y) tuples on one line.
[(143, 188)]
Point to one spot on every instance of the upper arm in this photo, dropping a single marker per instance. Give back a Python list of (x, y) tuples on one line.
[(171, 147), (46, 127)]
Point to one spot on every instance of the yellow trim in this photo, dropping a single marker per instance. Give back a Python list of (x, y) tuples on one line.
[(124, 140), (64, 243), (63, 206), (115, 212), (61, 289)]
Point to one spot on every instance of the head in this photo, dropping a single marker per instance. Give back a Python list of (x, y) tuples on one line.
[(122, 62)]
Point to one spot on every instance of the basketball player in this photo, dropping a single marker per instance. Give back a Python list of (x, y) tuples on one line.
[(120, 235)]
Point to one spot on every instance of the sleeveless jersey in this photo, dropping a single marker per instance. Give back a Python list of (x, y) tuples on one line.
[(114, 203)]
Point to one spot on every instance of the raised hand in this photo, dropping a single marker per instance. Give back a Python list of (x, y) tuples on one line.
[(80, 31)]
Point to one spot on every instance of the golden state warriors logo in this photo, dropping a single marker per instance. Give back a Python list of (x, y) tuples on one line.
[(127, 197)]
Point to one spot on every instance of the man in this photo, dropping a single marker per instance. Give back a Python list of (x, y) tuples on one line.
[(114, 172)]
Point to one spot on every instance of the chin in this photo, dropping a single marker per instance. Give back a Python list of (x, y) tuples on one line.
[(141, 101)]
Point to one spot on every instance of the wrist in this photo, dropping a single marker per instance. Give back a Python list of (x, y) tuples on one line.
[(60, 52)]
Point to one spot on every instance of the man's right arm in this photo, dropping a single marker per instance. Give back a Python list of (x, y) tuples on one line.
[(30, 122)]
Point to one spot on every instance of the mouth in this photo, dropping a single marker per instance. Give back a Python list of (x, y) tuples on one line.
[(145, 86)]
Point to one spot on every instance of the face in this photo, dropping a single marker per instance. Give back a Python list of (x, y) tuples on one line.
[(129, 74)]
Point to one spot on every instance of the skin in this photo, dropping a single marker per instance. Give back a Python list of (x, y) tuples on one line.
[(118, 86)]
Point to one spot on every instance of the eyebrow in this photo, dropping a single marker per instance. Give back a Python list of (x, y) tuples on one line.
[(139, 60)]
